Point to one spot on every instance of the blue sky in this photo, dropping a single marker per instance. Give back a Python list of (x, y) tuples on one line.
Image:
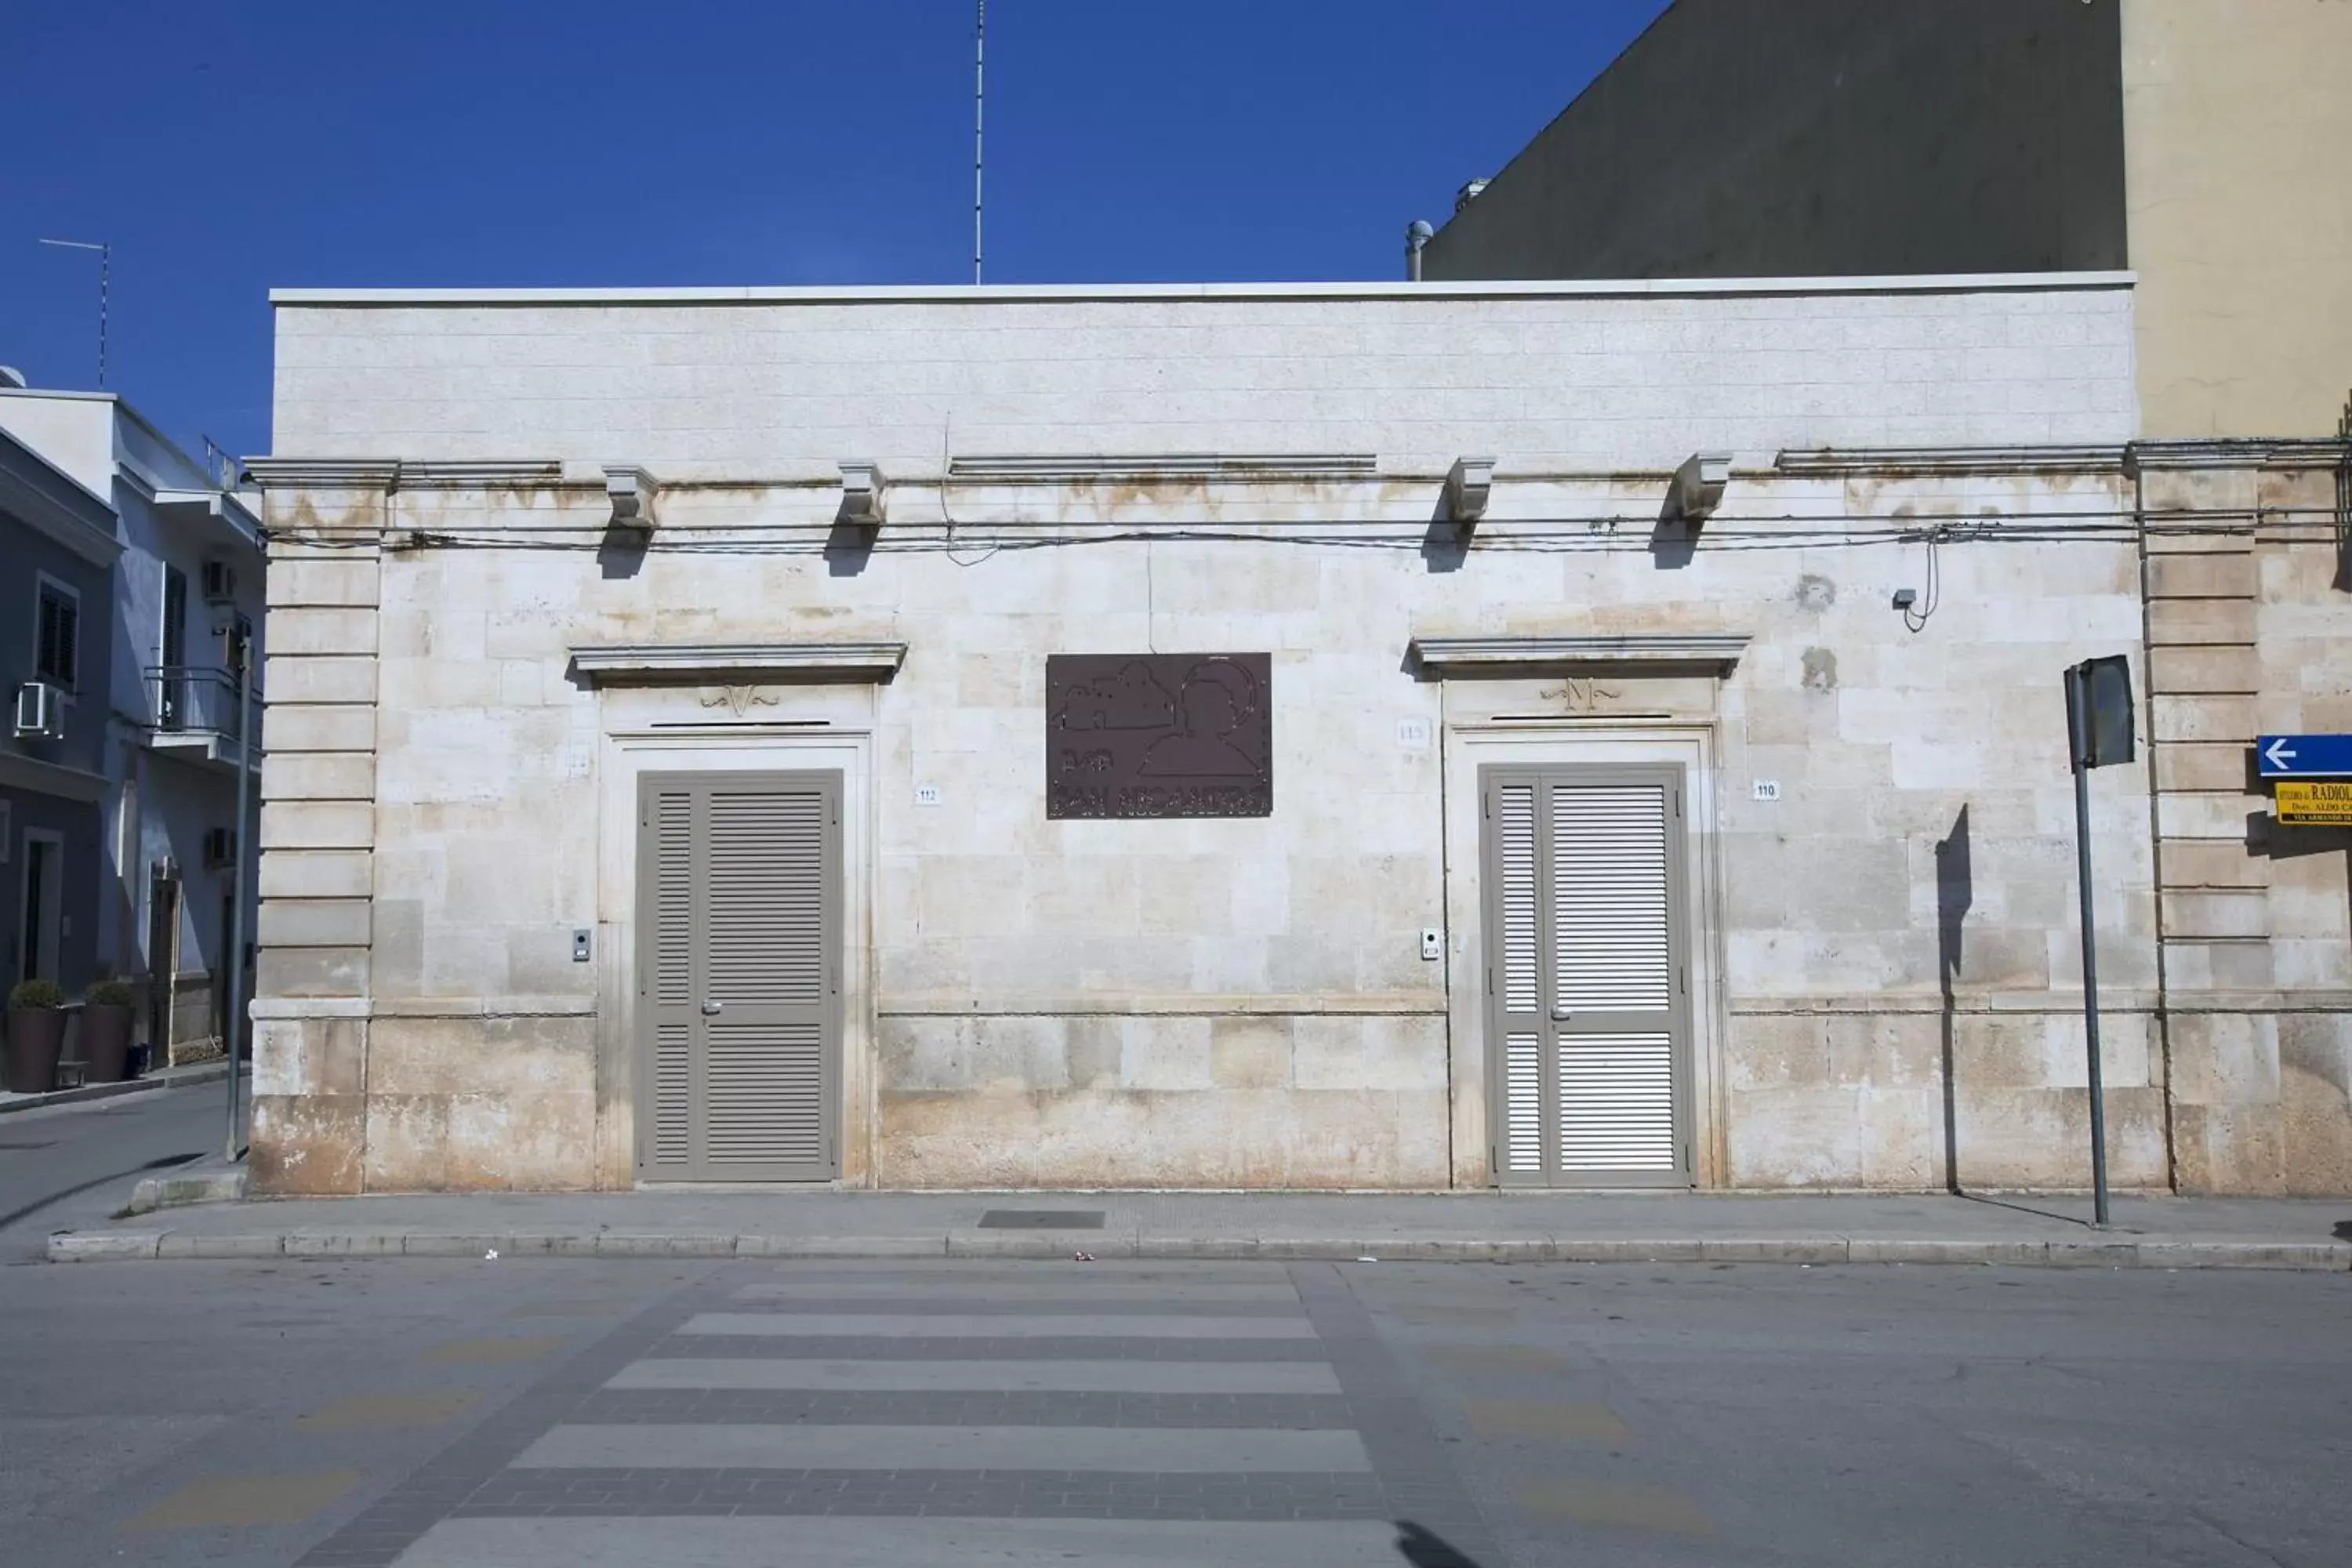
[(224, 147)]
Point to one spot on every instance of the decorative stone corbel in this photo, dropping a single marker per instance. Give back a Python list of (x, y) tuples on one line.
[(631, 491), (862, 489), (1698, 486), (1467, 486)]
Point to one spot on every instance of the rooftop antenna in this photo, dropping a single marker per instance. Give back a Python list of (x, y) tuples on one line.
[(105, 271), (979, 81)]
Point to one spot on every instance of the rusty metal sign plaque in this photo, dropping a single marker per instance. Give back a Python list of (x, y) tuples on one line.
[(1160, 734)]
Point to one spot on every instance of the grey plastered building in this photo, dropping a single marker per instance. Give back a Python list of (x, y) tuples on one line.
[(155, 720), (58, 551)]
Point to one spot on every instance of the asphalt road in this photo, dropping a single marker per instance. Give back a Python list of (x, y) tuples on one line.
[(66, 1165), (614, 1414)]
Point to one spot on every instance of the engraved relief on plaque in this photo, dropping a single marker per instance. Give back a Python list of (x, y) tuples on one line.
[(1143, 735)]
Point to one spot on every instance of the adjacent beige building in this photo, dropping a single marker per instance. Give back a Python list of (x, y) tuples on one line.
[(1352, 736), (2236, 113)]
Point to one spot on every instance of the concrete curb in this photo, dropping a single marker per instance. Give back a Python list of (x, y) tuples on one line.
[(217, 1182), (2101, 1252), (170, 1077)]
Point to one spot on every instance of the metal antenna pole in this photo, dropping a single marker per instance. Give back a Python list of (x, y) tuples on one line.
[(979, 81), (105, 287), (234, 1030)]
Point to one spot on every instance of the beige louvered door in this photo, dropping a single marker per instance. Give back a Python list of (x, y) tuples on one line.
[(1588, 976), (738, 982)]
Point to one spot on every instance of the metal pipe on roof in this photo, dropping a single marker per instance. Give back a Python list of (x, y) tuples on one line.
[(1417, 234)]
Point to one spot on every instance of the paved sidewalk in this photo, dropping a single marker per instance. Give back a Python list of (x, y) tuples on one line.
[(1569, 1227), (161, 1078)]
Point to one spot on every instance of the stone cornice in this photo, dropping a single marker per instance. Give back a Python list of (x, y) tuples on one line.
[(2243, 452), (1247, 468), (1432, 288), (1458, 657), (323, 473), (643, 663), (1882, 462), (530, 472), (397, 473)]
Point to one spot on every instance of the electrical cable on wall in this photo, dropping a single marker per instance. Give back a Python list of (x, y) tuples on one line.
[(1527, 536), (1915, 617), (946, 518)]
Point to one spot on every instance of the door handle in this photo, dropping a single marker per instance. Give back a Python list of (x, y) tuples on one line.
[(711, 1009)]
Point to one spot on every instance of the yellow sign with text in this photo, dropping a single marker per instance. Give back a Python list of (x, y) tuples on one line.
[(2314, 802)]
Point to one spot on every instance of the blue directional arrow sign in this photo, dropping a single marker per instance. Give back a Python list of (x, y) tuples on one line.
[(2304, 756)]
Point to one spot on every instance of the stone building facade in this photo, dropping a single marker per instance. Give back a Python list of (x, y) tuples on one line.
[(601, 620)]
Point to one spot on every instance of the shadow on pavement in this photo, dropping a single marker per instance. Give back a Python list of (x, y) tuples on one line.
[(37, 1204), (2029, 1208), (1425, 1548)]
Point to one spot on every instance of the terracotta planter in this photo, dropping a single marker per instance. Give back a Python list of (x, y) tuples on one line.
[(106, 1044), (37, 1037)]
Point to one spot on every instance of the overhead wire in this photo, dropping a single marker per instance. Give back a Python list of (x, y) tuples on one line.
[(1579, 535)]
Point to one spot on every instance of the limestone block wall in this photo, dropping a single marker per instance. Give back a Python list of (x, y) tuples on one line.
[(483, 1051), (310, 1101), (2303, 615), (1596, 376), (1221, 1003), (1901, 925), (2246, 624), (1243, 1003)]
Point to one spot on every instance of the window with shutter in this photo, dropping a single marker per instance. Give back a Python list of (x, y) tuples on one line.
[(738, 990), (59, 615), (1588, 1005), (172, 685)]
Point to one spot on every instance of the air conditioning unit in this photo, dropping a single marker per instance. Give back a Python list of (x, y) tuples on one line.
[(220, 583), (220, 847), (40, 710)]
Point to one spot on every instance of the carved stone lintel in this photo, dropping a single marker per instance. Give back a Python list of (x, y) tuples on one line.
[(1581, 694), (738, 700)]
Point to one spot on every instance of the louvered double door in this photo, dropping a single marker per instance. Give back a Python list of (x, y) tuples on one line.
[(1587, 975), (738, 976)]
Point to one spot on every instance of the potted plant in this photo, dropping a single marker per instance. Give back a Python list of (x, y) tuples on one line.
[(106, 1015), (36, 1035)]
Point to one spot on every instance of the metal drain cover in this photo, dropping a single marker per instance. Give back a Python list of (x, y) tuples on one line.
[(1041, 1220)]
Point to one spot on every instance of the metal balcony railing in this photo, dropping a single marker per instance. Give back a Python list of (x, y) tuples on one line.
[(188, 700)]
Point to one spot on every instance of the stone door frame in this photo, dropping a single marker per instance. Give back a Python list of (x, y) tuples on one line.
[(1471, 745), (632, 747)]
